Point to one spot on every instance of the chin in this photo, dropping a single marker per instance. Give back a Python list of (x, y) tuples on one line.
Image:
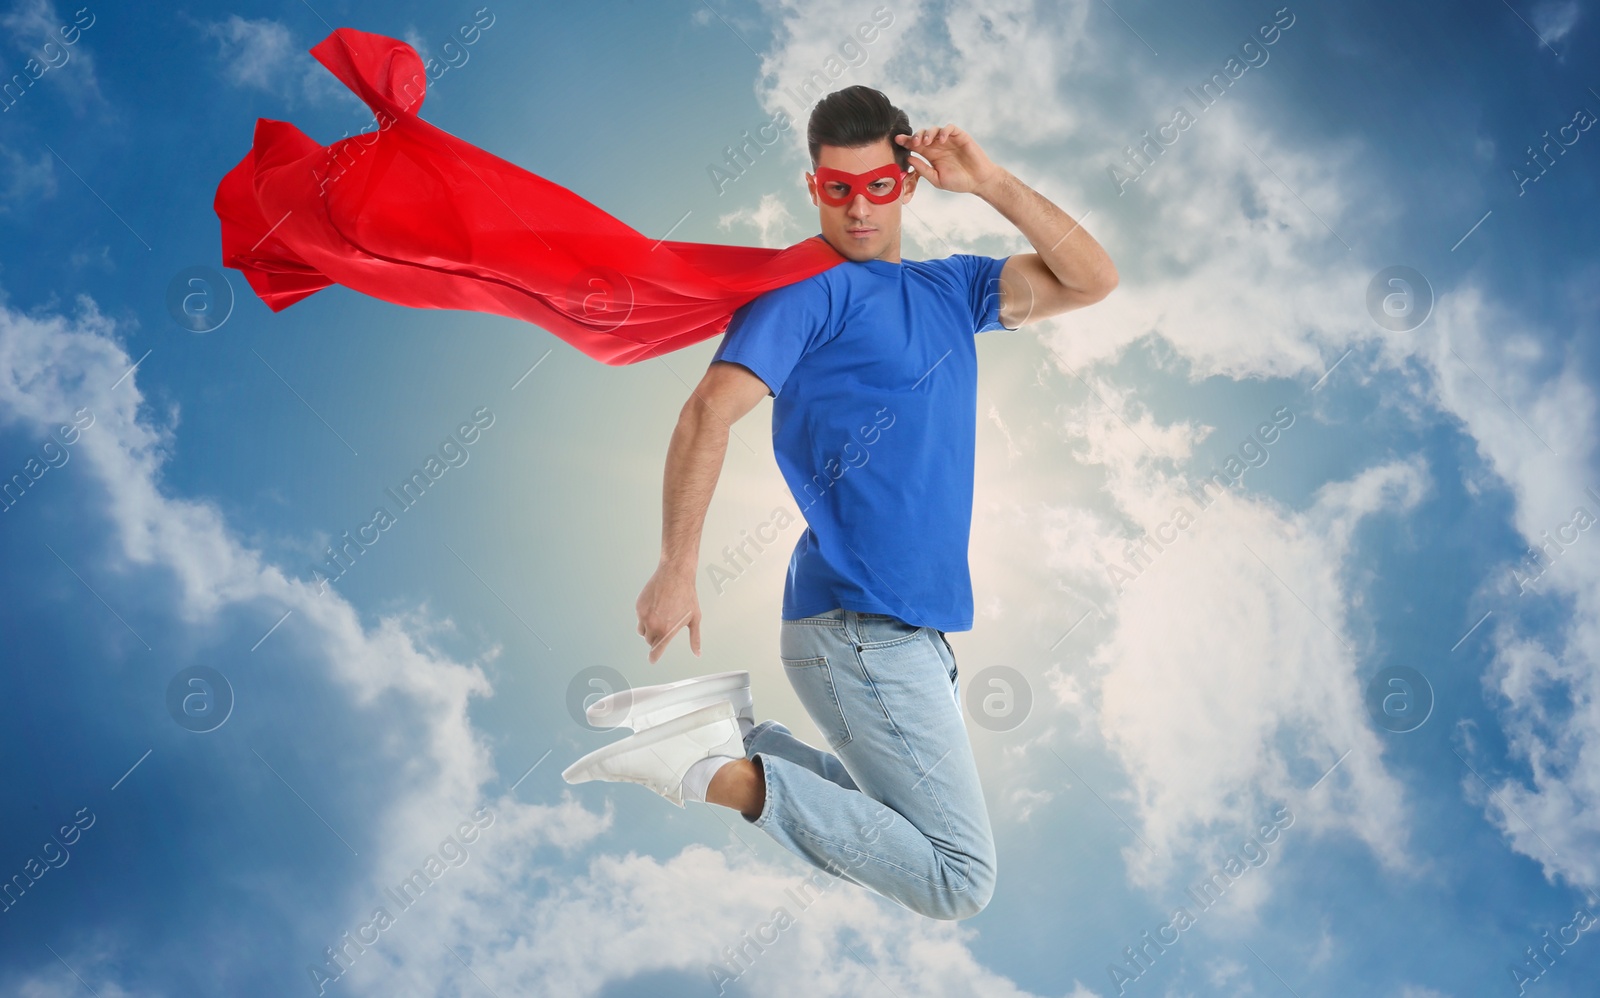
[(852, 249)]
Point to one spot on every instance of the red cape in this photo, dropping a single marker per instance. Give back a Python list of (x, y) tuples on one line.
[(413, 215)]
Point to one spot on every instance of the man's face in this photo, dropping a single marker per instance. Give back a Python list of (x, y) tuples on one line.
[(859, 229)]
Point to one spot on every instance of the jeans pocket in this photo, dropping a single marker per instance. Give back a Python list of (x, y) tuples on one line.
[(884, 631), (813, 684)]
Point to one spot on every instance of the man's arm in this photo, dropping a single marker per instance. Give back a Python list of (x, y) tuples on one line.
[(1070, 270), (694, 462)]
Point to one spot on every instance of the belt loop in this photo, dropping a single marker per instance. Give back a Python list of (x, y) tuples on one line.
[(852, 626)]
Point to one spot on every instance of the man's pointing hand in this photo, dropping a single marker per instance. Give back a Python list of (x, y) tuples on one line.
[(667, 603)]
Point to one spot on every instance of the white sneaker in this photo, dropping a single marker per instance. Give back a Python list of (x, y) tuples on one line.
[(659, 758), (646, 706)]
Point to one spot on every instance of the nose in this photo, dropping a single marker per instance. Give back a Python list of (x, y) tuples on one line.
[(860, 207)]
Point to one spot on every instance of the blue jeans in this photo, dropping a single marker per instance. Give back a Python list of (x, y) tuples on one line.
[(896, 806)]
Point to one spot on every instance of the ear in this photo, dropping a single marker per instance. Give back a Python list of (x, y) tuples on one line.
[(811, 188)]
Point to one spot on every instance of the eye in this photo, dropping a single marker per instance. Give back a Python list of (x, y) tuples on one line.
[(835, 188), (882, 184)]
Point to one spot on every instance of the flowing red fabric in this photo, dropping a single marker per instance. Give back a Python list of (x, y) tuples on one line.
[(413, 215)]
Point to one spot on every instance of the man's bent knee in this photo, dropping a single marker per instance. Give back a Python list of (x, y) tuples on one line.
[(972, 897), (952, 906)]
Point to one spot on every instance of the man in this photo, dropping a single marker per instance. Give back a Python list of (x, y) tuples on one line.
[(873, 369)]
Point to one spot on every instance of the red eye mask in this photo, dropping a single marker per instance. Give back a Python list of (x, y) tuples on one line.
[(859, 183)]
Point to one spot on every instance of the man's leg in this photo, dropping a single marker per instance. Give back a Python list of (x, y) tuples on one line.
[(773, 739), (916, 830)]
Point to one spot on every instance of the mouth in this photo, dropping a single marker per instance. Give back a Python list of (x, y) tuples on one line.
[(864, 231)]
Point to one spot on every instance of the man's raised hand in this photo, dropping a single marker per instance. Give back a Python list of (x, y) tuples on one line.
[(949, 159)]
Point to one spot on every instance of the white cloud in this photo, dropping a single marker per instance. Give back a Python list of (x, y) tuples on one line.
[(260, 54), (24, 181), (1023, 802), (1233, 642), (255, 52), (1534, 419), (98, 256), (1324, 950), (1012, 451), (30, 25), (63, 982), (1246, 284), (1224, 971), (413, 38), (935, 65), (50, 366), (770, 218), (628, 915), (1555, 19)]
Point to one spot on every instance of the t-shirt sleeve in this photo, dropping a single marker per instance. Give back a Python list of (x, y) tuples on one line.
[(771, 332), (980, 275)]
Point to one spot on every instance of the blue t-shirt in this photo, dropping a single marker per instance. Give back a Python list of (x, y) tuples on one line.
[(874, 376)]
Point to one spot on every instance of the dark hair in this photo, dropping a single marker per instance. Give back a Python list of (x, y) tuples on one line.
[(857, 116)]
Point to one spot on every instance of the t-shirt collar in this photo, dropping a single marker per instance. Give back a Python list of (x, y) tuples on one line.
[(883, 267)]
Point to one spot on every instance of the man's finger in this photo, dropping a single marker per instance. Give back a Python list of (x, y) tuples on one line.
[(673, 629), (658, 647), (659, 644), (694, 634)]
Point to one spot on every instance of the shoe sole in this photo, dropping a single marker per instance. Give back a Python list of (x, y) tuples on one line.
[(626, 707), (582, 770)]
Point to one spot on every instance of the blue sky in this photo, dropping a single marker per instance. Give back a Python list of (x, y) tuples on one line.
[(424, 694)]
